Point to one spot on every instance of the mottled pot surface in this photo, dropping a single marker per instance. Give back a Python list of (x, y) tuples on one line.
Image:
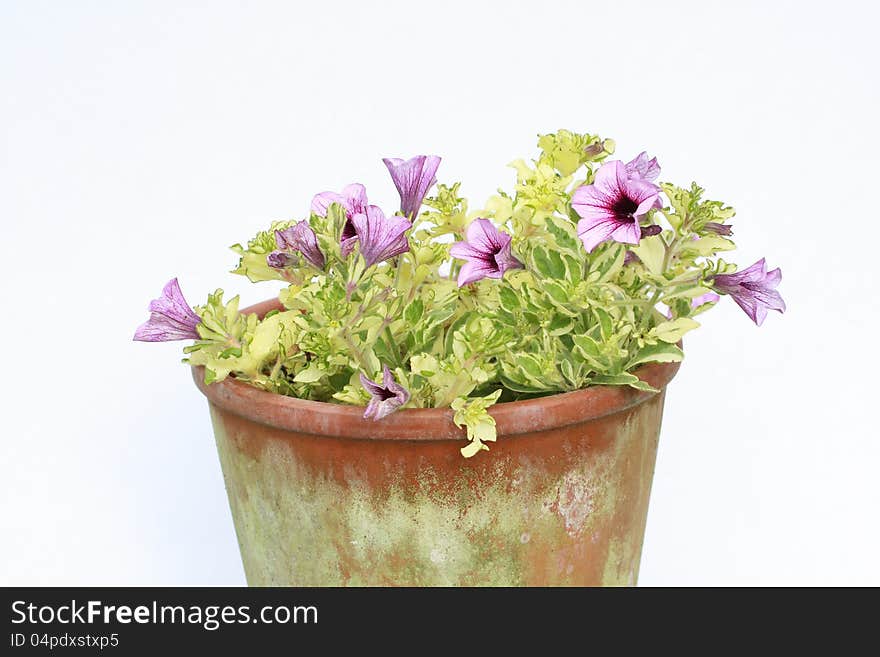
[(321, 496)]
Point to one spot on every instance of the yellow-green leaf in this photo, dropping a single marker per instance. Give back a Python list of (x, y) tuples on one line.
[(651, 252), (674, 330)]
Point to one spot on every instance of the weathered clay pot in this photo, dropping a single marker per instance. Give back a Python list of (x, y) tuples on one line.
[(320, 496)]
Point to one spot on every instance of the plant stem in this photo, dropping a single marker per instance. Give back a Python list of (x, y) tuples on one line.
[(356, 352), (649, 311), (392, 344)]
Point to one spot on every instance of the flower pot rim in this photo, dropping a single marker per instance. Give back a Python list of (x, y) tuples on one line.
[(346, 421)]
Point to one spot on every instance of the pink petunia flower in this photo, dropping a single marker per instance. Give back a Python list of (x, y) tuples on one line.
[(487, 251), (753, 289), (171, 318), (353, 199), (301, 238), (413, 178), (380, 237), (613, 205), (387, 397)]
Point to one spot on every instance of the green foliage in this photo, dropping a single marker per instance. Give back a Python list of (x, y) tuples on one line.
[(449, 213), (567, 151), (567, 320)]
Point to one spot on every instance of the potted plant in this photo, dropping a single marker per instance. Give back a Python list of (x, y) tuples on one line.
[(354, 414)]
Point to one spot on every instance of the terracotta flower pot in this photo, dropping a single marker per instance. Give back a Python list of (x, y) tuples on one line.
[(320, 496)]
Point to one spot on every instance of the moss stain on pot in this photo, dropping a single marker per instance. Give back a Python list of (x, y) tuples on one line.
[(559, 507)]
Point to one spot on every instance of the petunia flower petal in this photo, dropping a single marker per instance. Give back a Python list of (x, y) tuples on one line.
[(610, 179), (595, 231), (322, 202), (627, 233), (703, 299), (353, 199), (474, 270), (464, 251), (642, 167), (483, 236)]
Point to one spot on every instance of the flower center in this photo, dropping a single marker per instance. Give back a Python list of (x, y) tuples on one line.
[(348, 230), (624, 209), (385, 394), (491, 259)]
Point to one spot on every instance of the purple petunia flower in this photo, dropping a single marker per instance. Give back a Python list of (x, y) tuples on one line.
[(613, 205), (299, 237), (380, 237), (387, 397), (753, 289), (413, 178), (171, 318), (354, 200), (487, 251), (643, 168)]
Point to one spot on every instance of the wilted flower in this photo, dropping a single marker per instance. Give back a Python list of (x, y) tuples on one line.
[(299, 237), (753, 289), (642, 167), (353, 200), (648, 231), (487, 251), (171, 318), (386, 398), (380, 237), (280, 259), (413, 178), (630, 258), (613, 205), (718, 229), (595, 149)]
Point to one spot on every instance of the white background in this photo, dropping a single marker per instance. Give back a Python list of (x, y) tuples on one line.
[(140, 139)]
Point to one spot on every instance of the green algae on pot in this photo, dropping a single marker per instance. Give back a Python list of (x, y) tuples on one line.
[(322, 497)]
